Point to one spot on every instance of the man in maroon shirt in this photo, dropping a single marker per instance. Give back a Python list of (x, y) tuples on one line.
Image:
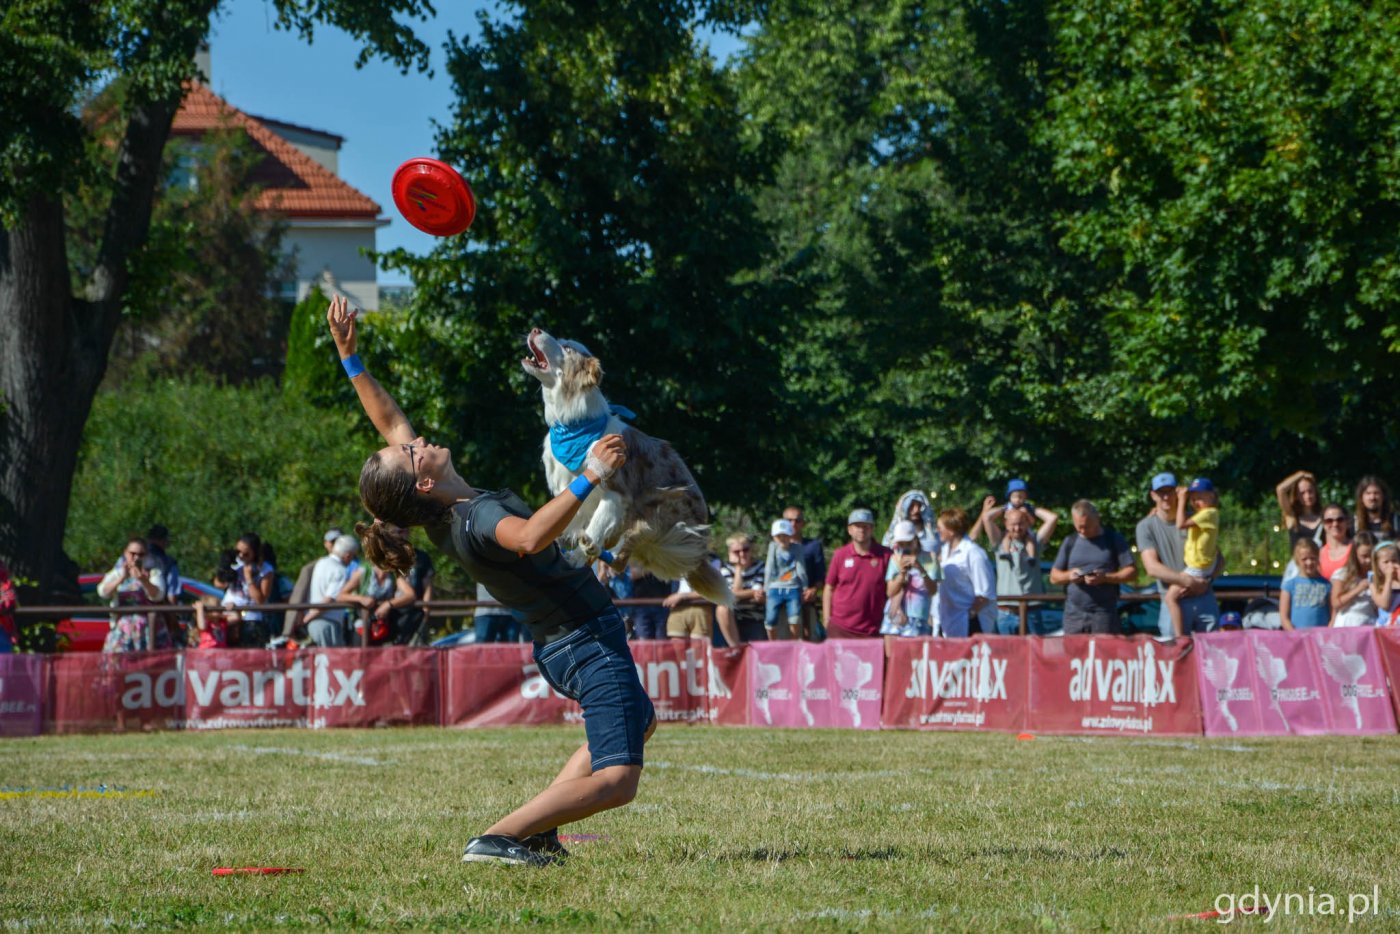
[(854, 599)]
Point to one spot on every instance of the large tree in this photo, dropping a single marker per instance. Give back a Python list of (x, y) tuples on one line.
[(59, 322)]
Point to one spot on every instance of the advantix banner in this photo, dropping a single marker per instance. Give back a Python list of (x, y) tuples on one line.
[(1238, 684)]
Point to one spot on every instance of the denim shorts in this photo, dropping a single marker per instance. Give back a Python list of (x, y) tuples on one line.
[(787, 599), (592, 665)]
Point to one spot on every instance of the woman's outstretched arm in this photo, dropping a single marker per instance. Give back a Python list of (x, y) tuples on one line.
[(388, 418)]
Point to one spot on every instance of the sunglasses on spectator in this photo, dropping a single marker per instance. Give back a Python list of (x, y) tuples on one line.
[(740, 551), (1334, 520), (136, 554)]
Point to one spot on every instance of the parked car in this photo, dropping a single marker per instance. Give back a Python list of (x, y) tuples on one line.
[(88, 633)]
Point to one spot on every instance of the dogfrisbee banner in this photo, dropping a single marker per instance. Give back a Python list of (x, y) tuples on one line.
[(21, 694)]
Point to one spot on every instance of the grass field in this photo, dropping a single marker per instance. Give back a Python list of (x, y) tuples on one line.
[(733, 828)]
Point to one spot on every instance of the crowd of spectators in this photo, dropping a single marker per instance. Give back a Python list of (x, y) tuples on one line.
[(930, 575)]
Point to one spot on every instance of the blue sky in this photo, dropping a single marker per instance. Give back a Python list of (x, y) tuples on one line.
[(384, 116)]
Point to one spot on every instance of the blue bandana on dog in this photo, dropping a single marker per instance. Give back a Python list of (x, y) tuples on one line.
[(570, 443)]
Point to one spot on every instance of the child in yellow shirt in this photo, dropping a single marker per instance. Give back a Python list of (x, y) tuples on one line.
[(1202, 539)]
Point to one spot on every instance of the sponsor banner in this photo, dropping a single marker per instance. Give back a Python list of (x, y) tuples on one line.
[(837, 683), (727, 685), (499, 684), (223, 688), (21, 688), (1388, 647), (102, 692), (388, 686), (1300, 683), (1351, 680), (1112, 684), (958, 684), (675, 674), (857, 669), (1232, 682)]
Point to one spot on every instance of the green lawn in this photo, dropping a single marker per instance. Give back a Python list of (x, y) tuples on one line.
[(733, 828)]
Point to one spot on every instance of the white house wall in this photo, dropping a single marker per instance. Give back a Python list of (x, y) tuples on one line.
[(337, 248)]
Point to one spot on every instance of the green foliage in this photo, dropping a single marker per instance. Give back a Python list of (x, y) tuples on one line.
[(1239, 173), (605, 148), (212, 462), (311, 358)]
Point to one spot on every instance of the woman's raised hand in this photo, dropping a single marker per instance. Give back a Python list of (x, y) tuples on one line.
[(341, 320)]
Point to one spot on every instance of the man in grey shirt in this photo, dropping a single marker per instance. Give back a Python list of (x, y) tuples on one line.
[(1163, 546), (1091, 565)]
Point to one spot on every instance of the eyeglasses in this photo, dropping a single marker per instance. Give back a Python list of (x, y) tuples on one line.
[(136, 554), (1334, 521), (795, 520), (740, 551), (409, 449)]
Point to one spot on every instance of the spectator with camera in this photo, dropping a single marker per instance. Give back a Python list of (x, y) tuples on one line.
[(911, 580), (1092, 564), (257, 577), (134, 583)]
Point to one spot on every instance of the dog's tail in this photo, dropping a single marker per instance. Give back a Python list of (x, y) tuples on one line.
[(681, 550), (708, 582)]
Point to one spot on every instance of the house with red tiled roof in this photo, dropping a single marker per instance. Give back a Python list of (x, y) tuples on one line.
[(328, 221)]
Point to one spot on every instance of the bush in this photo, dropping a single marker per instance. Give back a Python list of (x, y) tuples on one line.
[(211, 462)]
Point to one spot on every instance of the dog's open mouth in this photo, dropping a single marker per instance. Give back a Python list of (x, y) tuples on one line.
[(539, 361)]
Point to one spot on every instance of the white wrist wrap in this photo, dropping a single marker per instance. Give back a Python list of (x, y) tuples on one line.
[(600, 470)]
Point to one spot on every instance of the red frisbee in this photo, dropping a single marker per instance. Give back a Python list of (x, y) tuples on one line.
[(433, 197)]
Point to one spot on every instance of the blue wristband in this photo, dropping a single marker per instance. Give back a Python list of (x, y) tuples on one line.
[(581, 486), (354, 366)]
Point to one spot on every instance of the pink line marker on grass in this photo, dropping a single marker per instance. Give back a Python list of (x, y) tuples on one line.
[(253, 870)]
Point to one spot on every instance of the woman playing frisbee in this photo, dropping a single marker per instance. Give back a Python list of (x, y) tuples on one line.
[(580, 642)]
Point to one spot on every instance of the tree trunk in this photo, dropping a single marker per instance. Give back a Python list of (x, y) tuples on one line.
[(47, 392), (54, 353)]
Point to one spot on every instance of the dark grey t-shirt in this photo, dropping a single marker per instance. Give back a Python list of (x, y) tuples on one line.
[(1107, 552), (543, 591)]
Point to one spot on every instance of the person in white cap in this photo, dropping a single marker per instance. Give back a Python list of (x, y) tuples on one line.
[(910, 583), (785, 577)]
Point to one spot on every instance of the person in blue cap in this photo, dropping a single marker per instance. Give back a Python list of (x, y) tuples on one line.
[(1162, 545), (1202, 548)]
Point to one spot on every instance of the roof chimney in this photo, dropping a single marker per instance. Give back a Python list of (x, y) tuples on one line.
[(203, 66)]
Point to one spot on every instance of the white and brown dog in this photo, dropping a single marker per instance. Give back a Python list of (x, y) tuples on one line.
[(651, 511)]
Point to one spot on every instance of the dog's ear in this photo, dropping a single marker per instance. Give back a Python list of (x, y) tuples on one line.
[(592, 374)]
